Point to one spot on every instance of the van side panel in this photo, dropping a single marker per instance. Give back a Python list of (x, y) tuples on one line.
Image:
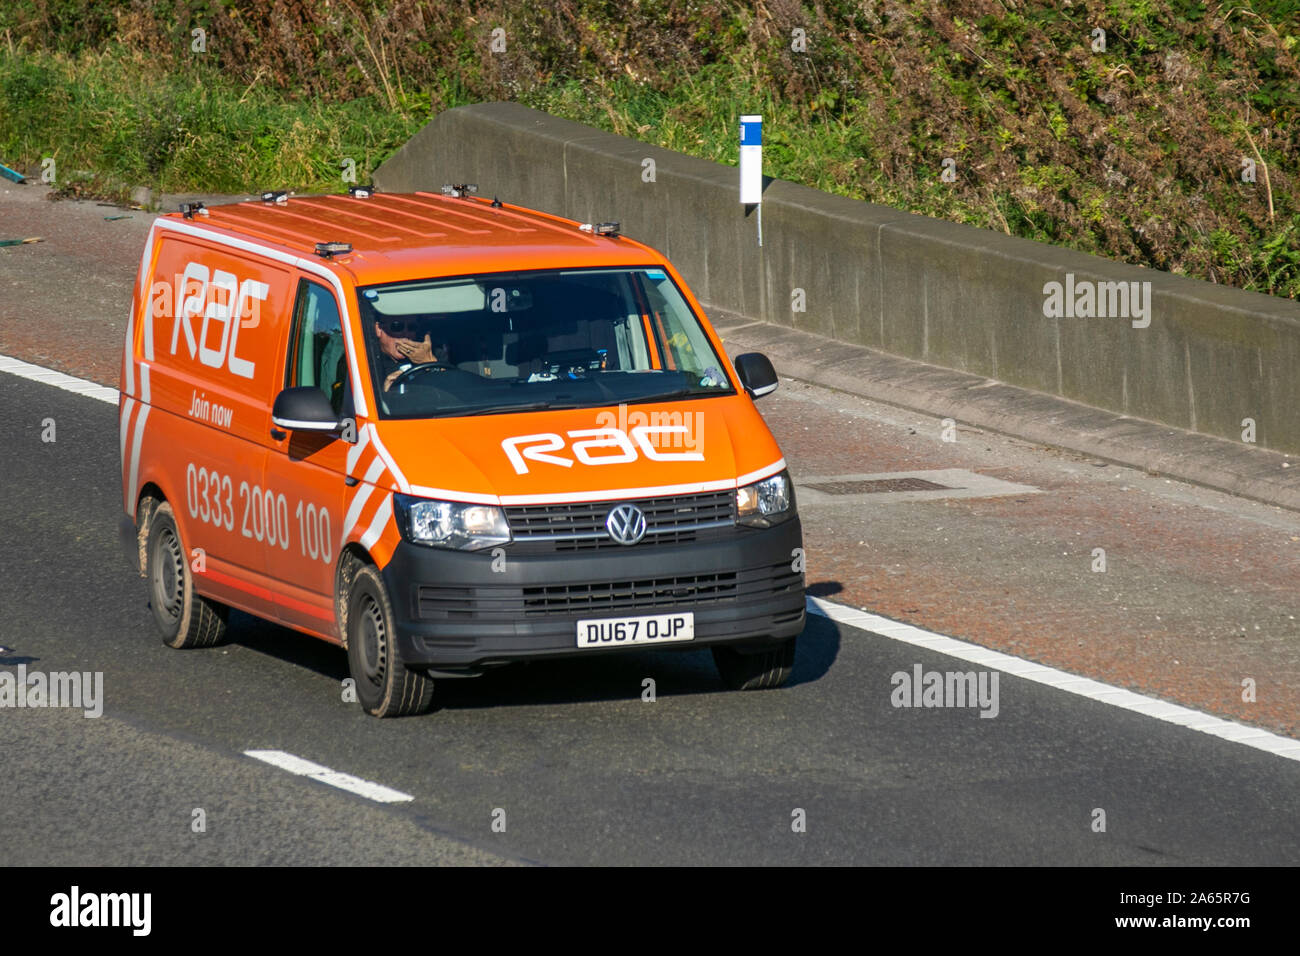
[(205, 343), (210, 365)]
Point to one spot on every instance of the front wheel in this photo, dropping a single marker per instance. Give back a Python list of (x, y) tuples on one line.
[(768, 668), (385, 687), (186, 619)]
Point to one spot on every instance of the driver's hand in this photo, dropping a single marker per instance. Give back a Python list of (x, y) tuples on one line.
[(392, 376), (419, 352)]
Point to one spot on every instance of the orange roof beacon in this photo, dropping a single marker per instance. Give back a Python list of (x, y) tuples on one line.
[(446, 434)]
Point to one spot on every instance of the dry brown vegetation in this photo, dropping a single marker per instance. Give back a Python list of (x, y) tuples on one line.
[(1134, 153)]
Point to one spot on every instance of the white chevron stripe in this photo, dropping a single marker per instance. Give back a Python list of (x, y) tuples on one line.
[(132, 486), (123, 423), (354, 453), (378, 523), (392, 465), (362, 496)]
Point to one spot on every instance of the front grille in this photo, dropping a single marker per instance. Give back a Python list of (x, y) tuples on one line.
[(645, 594), (580, 526), (502, 603)]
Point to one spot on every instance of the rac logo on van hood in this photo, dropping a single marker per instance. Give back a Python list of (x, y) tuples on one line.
[(209, 309), (595, 446), (581, 452)]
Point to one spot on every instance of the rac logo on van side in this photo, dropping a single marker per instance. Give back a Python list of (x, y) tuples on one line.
[(210, 295), (540, 446)]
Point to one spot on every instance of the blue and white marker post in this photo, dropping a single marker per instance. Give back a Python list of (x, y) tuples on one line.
[(751, 166)]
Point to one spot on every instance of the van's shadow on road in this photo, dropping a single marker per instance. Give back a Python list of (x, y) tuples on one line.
[(613, 676)]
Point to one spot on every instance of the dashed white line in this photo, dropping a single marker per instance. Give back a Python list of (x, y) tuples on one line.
[(335, 778), (1059, 680), (68, 383)]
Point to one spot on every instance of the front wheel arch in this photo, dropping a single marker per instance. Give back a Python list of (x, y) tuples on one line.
[(351, 557)]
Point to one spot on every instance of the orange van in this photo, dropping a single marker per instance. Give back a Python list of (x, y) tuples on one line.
[(447, 434)]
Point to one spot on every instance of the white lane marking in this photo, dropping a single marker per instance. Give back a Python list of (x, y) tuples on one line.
[(1070, 683), (344, 781), (68, 383)]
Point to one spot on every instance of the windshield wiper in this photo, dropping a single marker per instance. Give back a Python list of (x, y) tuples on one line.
[(662, 396), (515, 407)]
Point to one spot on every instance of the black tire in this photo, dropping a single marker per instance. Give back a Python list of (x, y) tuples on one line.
[(185, 619), (385, 686), (769, 668)]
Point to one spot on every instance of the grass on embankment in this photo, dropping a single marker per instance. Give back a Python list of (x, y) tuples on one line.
[(1133, 153), (181, 132)]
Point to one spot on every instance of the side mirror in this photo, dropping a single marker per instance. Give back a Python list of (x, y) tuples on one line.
[(756, 373), (304, 409)]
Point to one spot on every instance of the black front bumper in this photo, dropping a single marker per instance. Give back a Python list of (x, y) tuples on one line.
[(469, 610)]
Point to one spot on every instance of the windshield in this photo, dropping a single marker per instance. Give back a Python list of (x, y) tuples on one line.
[(529, 340)]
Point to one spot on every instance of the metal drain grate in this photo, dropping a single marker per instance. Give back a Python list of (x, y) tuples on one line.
[(877, 484)]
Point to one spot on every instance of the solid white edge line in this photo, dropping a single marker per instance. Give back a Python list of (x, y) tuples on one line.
[(334, 778), (1152, 707), (47, 376)]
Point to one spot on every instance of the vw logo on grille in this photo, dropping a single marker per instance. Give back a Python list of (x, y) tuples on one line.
[(626, 524)]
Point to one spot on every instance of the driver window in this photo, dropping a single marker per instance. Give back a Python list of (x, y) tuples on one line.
[(317, 357)]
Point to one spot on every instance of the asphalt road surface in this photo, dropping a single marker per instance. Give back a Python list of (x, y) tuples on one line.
[(1198, 596), (566, 759)]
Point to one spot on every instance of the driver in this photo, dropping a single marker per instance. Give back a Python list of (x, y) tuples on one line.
[(398, 351)]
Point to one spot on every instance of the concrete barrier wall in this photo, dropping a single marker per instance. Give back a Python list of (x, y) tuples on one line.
[(947, 294)]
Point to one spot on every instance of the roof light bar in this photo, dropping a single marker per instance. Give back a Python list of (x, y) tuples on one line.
[(327, 249), (191, 209), (361, 192), (459, 190), (278, 196)]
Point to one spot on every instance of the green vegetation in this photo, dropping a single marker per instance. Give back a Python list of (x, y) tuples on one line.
[(1135, 153)]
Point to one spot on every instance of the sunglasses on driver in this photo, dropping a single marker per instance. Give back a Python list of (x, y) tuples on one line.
[(398, 326)]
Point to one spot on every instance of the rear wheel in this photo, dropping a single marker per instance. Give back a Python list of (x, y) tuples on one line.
[(767, 668), (385, 686), (186, 619)]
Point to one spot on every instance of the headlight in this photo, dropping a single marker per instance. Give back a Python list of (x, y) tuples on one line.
[(765, 502), (451, 524)]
